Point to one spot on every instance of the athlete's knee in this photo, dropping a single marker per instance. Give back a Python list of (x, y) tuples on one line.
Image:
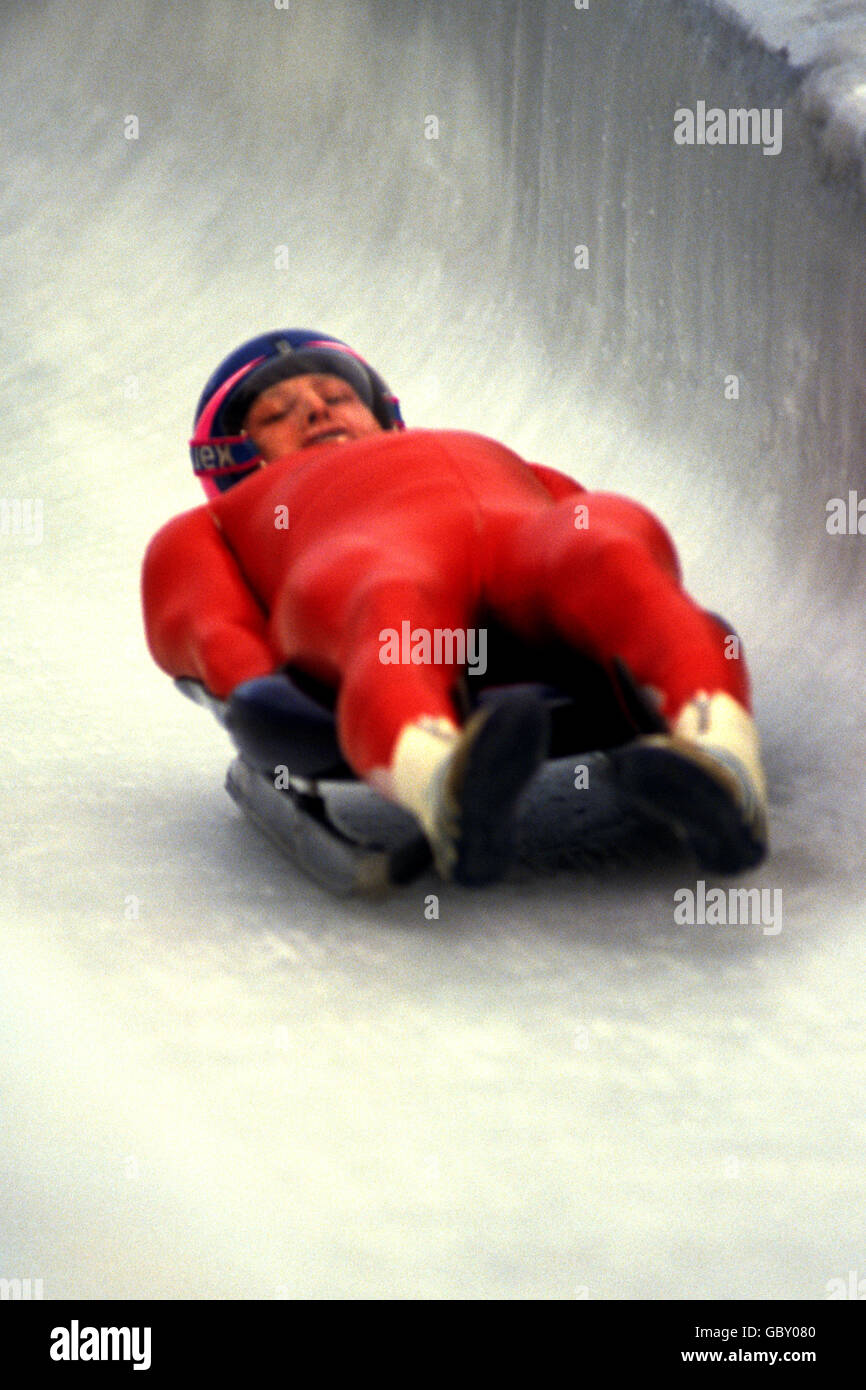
[(384, 602), (617, 529), (611, 562)]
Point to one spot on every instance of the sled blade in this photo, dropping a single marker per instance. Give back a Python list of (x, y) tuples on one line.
[(298, 823)]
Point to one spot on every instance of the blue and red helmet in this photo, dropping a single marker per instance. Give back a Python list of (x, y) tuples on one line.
[(221, 453)]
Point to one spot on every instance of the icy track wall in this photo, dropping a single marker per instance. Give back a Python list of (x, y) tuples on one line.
[(721, 304)]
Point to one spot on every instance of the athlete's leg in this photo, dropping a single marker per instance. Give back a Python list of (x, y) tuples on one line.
[(600, 571), (357, 619), (389, 619), (352, 614)]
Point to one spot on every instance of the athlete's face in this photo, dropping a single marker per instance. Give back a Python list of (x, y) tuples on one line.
[(306, 410)]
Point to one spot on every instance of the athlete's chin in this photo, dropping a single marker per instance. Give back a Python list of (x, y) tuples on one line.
[(319, 442), (338, 437)]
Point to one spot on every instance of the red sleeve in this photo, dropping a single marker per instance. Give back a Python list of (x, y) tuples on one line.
[(200, 617), (556, 483)]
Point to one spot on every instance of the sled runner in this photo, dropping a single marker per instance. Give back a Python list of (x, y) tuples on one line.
[(290, 779)]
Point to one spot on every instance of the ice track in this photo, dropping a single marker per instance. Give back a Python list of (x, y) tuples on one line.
[(218, 1082)]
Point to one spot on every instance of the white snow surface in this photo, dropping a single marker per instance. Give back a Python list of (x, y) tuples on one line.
[(217, 1080)]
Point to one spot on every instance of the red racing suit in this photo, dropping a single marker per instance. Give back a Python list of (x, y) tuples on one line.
[(310, 559)]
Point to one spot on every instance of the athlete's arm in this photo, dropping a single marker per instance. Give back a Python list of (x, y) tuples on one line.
[(556, 483), (200, 617)]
